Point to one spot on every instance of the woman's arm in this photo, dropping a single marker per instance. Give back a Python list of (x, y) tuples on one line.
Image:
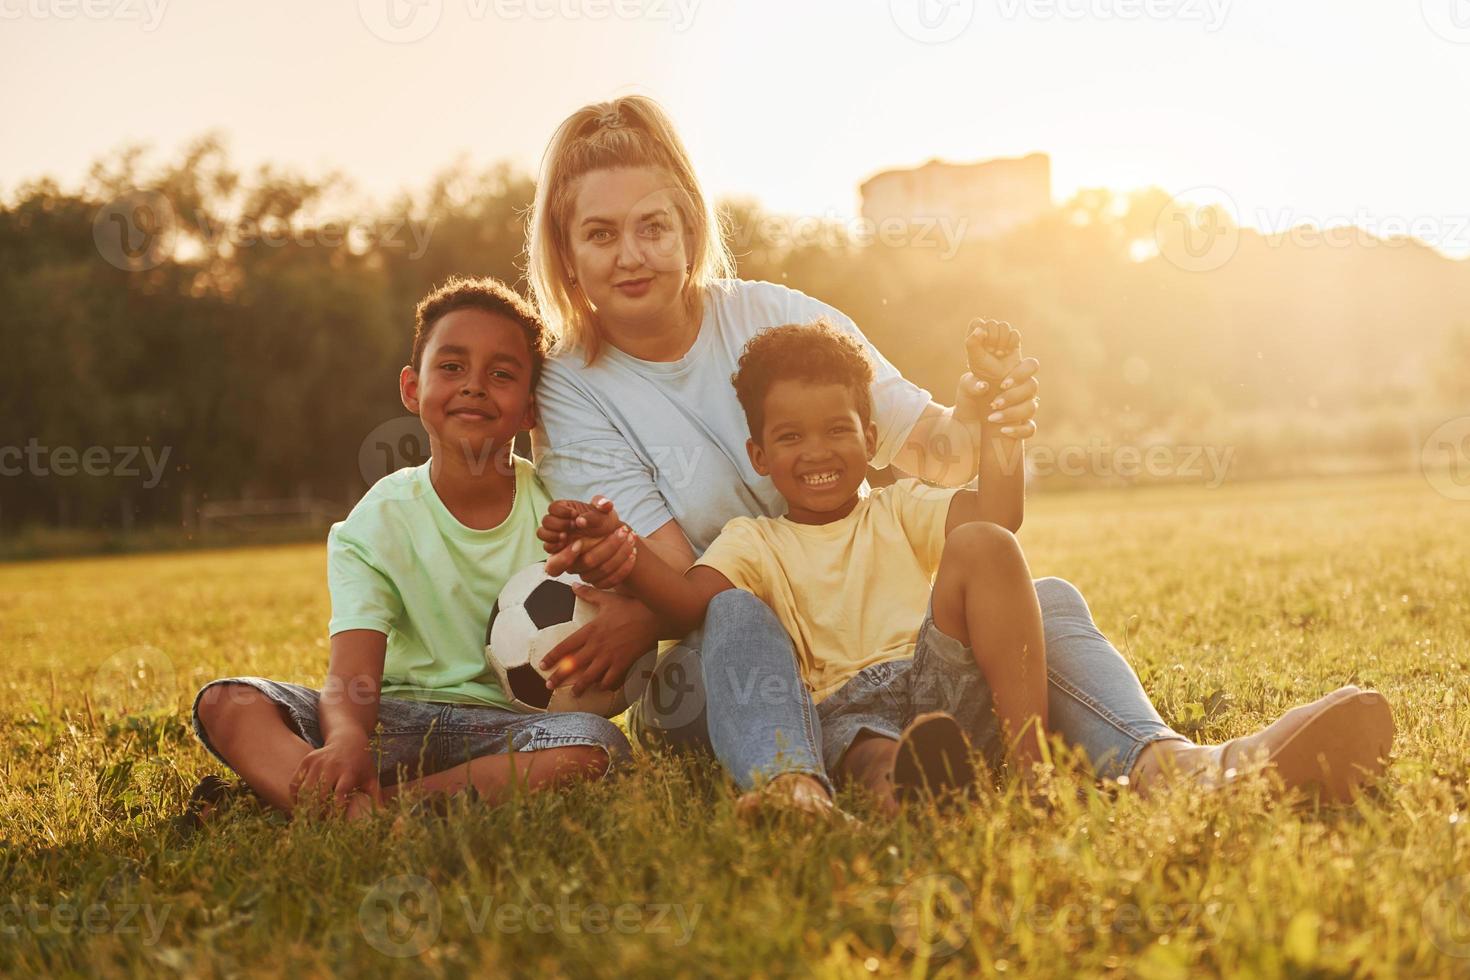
[(601, 653)]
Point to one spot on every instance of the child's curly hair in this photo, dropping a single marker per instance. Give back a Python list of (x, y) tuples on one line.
[(817, 353), (489, 295)]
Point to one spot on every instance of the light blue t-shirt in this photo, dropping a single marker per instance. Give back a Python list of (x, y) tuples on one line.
[(666, 440)]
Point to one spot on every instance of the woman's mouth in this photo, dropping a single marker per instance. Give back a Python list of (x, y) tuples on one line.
[(634, 287)]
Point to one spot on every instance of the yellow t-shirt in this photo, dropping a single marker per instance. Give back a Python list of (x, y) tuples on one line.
[(851, 593)]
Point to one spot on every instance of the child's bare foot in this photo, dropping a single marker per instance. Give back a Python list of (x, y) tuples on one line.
[(791, 792), (933, 758), (212, 796), (869, 763), (359, 806), (1334, 746)]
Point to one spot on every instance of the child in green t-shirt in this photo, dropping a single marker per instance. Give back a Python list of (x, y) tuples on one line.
[(414, 572)]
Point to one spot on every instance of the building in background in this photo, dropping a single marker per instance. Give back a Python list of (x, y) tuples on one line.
[(985, 199)]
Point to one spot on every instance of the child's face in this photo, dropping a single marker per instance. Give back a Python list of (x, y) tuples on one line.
[(815, 448), (473, 388)]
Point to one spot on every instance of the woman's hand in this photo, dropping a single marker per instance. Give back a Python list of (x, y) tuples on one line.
[(601, 653), (589, 539), (999, 372)]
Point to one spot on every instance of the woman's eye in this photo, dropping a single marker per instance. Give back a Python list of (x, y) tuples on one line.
[(599, 235)]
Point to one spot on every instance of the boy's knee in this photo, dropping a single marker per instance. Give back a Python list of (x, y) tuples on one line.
[(981, 540), (220, 705), (736, 609)]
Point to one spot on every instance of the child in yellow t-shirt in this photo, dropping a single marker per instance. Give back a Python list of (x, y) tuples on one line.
[(913, 617)]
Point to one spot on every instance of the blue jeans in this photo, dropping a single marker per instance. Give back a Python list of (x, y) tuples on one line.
[(761, 719), (415, 738)]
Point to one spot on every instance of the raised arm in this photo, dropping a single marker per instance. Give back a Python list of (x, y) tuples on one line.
[(983, 434)]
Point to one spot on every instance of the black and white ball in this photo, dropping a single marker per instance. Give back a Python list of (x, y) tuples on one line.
[(534, 613)]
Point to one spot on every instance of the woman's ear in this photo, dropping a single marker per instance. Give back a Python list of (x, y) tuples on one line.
[(408, 388), (757, 454)]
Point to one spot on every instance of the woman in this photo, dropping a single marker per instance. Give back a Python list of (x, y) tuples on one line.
[(630, 272)]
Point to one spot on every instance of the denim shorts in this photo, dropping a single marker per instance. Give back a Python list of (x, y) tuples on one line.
[(884, 697), (416, 738)]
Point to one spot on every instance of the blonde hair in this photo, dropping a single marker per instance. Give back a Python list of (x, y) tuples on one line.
[(632, 131)]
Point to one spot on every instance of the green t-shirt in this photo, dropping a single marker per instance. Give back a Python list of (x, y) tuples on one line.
[(403, 565)]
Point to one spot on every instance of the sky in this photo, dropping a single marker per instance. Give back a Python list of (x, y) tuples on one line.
[(1288, 111)]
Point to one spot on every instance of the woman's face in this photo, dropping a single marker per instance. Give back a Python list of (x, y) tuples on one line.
[(629, 250)]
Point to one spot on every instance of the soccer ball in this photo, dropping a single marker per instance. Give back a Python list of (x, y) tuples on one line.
[(533, 613)]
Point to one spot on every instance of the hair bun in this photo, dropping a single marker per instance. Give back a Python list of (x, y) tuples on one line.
[(609, 120)]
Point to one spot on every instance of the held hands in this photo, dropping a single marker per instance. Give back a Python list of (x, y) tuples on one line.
[(589, 539), (1000, 388)]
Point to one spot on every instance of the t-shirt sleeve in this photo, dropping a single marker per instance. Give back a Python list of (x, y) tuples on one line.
[(739, 554), (897, 402), (922, 511), (363, 597), (580, 453)]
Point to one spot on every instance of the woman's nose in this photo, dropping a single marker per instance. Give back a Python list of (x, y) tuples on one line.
[(630, 255)]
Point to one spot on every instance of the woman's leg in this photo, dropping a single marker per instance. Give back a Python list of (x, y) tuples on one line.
[(1335, 743), (1095, 699), (762, 722)]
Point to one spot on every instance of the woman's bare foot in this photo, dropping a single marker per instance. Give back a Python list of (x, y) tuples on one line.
[(792, 792), (1335, 746)]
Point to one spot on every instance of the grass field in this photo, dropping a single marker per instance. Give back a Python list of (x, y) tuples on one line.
[(1233, 604)]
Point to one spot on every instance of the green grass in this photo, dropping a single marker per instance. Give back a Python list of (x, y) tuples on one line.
[(1269, 593)]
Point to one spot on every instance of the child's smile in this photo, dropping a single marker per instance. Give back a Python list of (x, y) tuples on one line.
[(815, 448)]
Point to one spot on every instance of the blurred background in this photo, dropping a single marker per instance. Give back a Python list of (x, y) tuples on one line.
[(1235, 233)]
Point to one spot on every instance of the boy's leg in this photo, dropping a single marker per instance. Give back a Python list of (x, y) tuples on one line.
[(983, 596), (501, 750), (494, 777), (251, 734), (762, 722), (868, 762)]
